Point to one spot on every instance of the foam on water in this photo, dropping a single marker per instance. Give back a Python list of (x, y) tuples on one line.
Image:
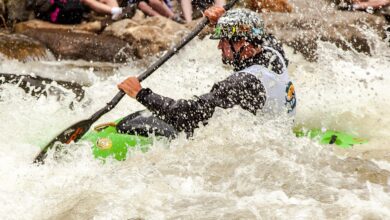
[(239, 166)]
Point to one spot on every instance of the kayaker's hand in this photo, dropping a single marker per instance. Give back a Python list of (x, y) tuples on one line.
[(130, 86), (214, 13)]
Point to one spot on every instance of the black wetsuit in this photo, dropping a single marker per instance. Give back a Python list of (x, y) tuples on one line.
[(242, 89)]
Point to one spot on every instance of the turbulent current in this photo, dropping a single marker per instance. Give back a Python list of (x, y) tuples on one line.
[(240, 166)]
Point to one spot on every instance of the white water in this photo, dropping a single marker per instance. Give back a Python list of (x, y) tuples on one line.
[(238, 167)]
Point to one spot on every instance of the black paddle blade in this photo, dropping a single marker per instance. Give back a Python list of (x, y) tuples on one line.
[(73, 133)]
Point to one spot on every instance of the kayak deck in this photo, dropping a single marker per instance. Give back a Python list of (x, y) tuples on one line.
[(108, 142), (341, 139)]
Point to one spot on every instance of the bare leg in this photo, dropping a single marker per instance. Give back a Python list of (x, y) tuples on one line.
[(186, 6), (98, 6), (112, 3), (371, 3), (220, 3), (147, 9), (161, 7)]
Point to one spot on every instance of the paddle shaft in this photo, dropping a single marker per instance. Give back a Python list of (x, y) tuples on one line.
[(76, 131), (152, 68), (199, 27)]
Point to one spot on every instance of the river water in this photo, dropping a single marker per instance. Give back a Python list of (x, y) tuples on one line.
[(240, 166)]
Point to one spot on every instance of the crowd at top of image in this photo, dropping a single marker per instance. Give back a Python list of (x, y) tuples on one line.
[(74, 11)]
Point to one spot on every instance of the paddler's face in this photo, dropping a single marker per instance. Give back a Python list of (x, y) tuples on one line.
[(240, 49), (229, 48), (226, 48)]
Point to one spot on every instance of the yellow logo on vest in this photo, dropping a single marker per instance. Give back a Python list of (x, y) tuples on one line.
[(291, 101), (104, 143)]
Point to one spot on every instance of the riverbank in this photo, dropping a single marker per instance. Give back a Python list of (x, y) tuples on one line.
[(300, 25)]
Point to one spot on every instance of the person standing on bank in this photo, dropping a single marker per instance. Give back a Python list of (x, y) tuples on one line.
[(260, 81)]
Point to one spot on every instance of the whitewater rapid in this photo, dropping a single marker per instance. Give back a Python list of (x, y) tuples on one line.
[(240, 166)]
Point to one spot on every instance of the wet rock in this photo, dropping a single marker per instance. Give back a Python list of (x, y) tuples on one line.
[(139, 16), (2, 7), (171, 29), (38, 24), (119, 28), (303, 28), (17, 10), (148, 36), (86, 46), (129, 38), (309, 23), (304, 42), (22, 48), (148, 40), (314, 21), (267, 5), (76, 41)]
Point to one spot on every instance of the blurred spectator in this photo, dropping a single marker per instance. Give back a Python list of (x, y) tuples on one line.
[(363, 4), (157, 8), (374, 4), (188, 5), (71, 11), (103, 7)]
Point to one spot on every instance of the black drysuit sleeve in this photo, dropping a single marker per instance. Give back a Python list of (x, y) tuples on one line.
[(241, 89)]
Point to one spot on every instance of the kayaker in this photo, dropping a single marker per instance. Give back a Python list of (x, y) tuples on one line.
[(260, 81)]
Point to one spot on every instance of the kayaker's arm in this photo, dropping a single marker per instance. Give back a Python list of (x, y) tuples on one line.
[(185, 115)]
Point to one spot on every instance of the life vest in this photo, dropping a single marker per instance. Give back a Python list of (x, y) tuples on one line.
[(280, 92)]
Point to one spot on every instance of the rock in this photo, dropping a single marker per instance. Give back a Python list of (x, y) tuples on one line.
[(314, 21), (267, 5), (39, 24), (148, 36), (304, 27), (148, 40), (307, 24), (91, 47), (119, 28), (77, 41), (120, 41), (171, 29), (17, 10), (139, 16), (304, 42), (22, 48), (2, 8)]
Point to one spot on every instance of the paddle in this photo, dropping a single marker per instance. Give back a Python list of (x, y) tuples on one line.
[(76, 131)]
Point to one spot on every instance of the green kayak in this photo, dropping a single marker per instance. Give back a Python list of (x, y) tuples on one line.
[(108, 142), (340, 139)]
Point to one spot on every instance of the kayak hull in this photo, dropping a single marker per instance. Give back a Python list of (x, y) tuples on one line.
[(107, 142)]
